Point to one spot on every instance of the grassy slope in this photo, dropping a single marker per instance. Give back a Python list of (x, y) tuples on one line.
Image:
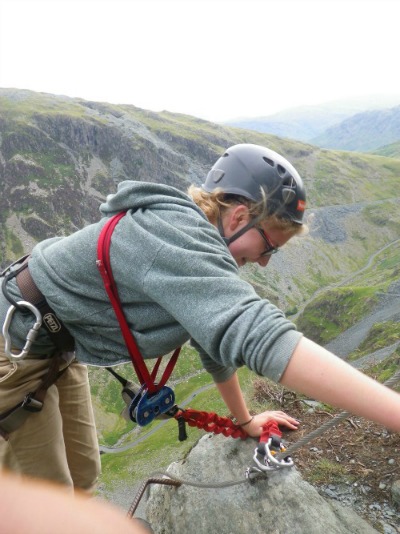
[(339, 308)]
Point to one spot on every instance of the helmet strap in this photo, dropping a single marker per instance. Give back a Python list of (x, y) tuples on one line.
[(229, 240)]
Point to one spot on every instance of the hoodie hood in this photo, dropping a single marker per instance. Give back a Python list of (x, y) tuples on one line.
[(140, 195)]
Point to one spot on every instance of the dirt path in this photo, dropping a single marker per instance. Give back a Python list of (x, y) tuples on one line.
[(345, 280), (388, 309)]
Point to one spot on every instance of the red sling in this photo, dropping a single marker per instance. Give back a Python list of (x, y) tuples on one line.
[(104, 264)]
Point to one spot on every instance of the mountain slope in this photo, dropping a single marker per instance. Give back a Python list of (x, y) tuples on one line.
[(60, 157), (365, 132), (389, 151), (305, 123)]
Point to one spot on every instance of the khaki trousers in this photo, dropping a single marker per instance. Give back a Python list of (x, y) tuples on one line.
[(59, 443)]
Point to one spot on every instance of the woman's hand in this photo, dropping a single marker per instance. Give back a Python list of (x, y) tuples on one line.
[(254, 428)]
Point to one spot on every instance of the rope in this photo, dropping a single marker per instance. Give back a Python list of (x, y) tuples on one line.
[(211, 422)]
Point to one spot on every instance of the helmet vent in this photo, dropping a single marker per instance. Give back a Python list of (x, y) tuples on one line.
[(289, 181), (269, 161), (216, 175), (281, 171)]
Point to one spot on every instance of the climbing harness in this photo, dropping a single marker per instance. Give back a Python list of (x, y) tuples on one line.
[(155, 399), (35, 303)]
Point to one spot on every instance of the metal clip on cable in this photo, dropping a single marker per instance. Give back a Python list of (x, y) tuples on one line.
[(31, 336), (264, 456)]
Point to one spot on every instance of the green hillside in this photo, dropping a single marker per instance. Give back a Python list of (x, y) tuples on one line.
[(389, 151)]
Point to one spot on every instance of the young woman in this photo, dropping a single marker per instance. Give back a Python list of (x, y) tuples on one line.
[(175, 259)]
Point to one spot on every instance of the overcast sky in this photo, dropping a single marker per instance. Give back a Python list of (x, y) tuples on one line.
[(214, 59)]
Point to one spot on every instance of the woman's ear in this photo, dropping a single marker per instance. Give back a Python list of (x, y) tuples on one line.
[(238, 217)]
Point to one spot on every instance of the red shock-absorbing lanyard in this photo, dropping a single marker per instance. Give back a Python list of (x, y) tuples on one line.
[(104, 265)]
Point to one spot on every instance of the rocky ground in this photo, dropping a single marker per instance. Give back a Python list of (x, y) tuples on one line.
[(356, 463)]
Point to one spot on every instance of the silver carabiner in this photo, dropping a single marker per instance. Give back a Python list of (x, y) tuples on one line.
[(31, 336), (269, 462)]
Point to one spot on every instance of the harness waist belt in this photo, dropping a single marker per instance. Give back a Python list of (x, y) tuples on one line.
[(57, 331)]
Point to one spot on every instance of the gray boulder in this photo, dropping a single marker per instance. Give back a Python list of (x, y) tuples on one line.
[(282, 503), (396, 493)]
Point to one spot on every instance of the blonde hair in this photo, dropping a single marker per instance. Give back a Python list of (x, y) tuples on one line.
[(215, 203)]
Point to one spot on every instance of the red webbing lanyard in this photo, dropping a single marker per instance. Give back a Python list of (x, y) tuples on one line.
[(270, 429), (104, 265), (211, 422)]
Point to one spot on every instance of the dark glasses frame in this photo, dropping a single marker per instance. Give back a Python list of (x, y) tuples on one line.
[(271, 249)]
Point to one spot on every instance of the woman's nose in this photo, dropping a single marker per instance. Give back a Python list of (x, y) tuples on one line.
[(263, 261)]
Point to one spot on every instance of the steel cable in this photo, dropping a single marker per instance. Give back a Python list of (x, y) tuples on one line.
[(329, 424)]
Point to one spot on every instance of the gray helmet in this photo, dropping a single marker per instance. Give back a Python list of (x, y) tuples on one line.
[(248, 169)]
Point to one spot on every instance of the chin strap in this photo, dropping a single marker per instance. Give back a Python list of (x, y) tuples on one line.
[(229, 240)]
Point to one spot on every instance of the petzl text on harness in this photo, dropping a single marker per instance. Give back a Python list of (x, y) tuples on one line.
[(154, 398)]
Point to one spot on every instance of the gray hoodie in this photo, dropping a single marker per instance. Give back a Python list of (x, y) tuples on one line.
[(176, 280)]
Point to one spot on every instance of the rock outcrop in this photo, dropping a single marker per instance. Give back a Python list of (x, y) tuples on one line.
[(283, 503)]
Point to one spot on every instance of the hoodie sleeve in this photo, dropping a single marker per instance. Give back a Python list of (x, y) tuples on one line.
[(219, 372)]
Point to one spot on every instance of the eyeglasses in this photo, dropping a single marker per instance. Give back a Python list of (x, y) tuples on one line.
[(271, 249)]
